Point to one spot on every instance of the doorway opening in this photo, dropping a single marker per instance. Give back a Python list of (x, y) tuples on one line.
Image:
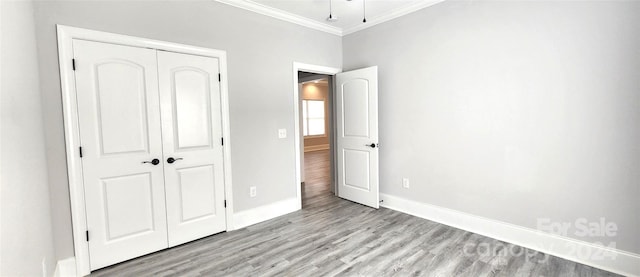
[(316, 135), (353, 155), (319, 77)]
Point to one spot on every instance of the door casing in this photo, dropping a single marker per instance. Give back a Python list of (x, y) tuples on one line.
[(66, 35), (318, 69)]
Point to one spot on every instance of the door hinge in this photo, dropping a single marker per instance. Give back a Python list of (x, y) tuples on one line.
[(219, 77), (222, 141), (80, 151), (225, 203), (73, 64), (87, 235)]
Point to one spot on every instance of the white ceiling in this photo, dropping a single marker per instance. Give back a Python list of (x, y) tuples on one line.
[(313, 13)]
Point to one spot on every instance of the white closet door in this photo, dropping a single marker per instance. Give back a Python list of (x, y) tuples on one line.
[(119, 118), (192, 133)]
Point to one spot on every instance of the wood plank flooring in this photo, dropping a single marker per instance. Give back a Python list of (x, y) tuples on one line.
[(335, 237), (316, 175), (316, 168)]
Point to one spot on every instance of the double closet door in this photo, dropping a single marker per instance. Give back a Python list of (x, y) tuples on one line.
[(152, 159)]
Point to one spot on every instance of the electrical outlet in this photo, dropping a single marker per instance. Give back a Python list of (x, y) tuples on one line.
[(405, 183), (252, 192), (282, 133)]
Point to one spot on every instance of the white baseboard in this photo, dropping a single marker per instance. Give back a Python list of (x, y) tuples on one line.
[(316, 147), (263, 213), (609, 259), (66, 268)]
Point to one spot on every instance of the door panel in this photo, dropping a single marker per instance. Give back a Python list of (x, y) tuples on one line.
[(192, 132), (119, 118), (357, 113), (192, 108), (357, 120), (197, 196), (128, 205), (357, 161), (123, 124)]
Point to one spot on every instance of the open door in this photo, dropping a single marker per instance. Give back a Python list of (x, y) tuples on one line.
[(357, 136)]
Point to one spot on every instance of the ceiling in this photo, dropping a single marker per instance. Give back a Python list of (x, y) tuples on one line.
[(313, 13)]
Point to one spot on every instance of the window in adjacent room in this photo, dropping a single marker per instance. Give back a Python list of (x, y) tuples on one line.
[(313, 117)]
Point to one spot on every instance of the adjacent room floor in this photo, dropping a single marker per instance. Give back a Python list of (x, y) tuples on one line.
[(331, 236)]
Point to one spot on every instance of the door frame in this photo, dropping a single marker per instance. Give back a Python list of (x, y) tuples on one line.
[(318, 69), (66, 35)]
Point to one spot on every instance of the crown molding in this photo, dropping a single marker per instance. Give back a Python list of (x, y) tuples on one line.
[(309, 23), (392, 15), (282, 15)]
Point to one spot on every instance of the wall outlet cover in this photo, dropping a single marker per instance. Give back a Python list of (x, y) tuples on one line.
[(405, 183), (282, 133)]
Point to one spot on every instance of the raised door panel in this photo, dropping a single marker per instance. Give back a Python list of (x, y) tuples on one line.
[(197, 197), (357, 161), (119, 120), (128, 206), (192, 132), (121, 107), (192, 107), (356, 117)]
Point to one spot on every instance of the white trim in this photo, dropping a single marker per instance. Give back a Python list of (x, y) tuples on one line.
[(66, 268), (296, 114), (312, 78), (66, 35), (263, 213), (315, 136), (624, 263), (283, 15), (416, 6), (312, 148), (316, 25)]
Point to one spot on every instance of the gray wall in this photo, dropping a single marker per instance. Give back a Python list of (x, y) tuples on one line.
[(261, 51), (26, 233), (512, 110)]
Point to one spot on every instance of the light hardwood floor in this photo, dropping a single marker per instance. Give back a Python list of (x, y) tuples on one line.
[(335, 237)]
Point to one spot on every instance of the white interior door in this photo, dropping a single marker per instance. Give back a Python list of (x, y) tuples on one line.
[(119, 118), (357, 135), (192, 143)]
